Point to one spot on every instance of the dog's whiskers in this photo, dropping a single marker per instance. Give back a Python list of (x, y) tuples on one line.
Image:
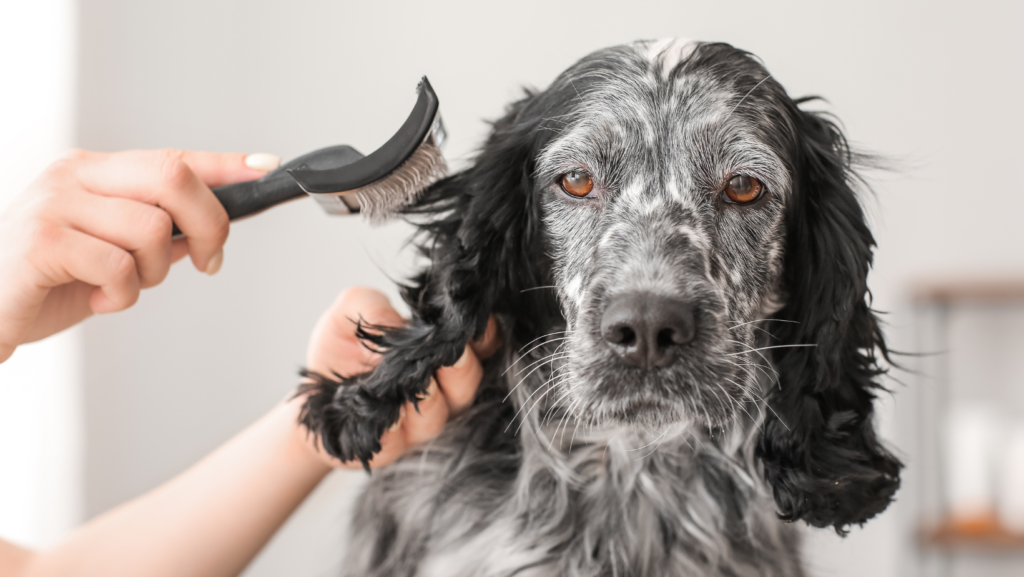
[(740, 405), (573, 438), (537, 339), (738, 324), (552, 383), (536, 288), (747, 349), (768, 363), (565, 413), (548, 387), (771, 347), (758, 366), (550, 358), (557, 402), (539, 363), (527, 399), (565, 418), (750, 391), (540, 360), (557, 410)]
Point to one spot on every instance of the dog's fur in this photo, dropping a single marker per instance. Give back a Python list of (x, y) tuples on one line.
[(572, 462)]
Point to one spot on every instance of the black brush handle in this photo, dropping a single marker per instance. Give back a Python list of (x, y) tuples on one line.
[(248, 198)]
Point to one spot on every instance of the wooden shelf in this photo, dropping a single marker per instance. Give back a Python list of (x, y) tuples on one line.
[(983, 534), (972, 290)]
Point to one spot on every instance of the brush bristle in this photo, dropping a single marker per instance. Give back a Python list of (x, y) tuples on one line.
[(384, 198)]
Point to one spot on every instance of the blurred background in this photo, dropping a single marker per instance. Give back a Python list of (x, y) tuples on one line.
[(105, 412)]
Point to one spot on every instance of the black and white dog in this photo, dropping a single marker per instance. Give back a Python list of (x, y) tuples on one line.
[(678, 260)]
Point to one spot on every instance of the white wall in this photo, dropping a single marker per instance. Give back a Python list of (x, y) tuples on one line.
[(40, 408), (934, 84)]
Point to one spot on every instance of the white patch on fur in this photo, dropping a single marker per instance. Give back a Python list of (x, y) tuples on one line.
[(651, 206), (671, 51), (572, 289), (633, 192), (773, 303), (610, 235), (699, 241)]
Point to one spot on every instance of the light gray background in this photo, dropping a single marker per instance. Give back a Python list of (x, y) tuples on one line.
[(934, 84)]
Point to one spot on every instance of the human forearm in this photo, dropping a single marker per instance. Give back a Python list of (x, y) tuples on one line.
[(210, 521), (13, 559)]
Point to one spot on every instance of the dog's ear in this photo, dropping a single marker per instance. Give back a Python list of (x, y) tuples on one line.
[(481, 235), (819, 449), (479, 231)]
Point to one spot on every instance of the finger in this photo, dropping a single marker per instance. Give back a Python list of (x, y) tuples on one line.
[(163, 179), (217, 169), (460, 381), (74, 255), (141, 229), (334, 346), (179, 249), (426, 423), (489, 342), (368, 305), (392, 443)]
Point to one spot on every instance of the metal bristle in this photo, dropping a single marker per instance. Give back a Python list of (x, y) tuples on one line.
[(386, 197)]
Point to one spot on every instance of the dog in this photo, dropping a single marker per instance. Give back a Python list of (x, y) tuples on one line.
[(677, 258)]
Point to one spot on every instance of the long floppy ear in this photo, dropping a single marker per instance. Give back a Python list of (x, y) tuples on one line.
[(479, 231), (820, 452)]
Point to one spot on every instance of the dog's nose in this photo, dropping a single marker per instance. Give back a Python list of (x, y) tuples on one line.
[(647, 331)]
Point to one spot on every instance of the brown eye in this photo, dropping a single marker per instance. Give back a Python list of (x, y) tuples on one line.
[(577, 183), (743, 189)]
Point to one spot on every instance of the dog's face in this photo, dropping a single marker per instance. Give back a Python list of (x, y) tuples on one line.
[(663, 197)]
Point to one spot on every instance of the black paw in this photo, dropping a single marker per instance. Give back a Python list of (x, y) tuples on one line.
[(348, 420)]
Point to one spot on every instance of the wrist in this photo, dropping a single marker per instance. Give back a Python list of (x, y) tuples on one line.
[(302, 442)]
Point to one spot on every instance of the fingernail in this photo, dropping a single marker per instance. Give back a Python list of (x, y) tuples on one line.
[(215, 261), (263, 161), (463, 359), (401, 417)]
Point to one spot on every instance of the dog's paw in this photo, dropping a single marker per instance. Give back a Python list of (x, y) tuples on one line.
[(348, 420)]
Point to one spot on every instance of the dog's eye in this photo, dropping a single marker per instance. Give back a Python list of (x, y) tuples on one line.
[(743, 189), (577, 183)]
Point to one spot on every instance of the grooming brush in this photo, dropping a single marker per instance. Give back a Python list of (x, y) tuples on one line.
[(343, 181)]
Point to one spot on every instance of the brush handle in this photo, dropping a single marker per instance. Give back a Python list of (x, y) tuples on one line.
[(248, 198)]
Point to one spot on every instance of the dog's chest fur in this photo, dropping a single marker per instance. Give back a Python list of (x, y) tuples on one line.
[(491, 498)]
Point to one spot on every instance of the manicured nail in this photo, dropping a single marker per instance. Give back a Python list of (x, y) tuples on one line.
[(401, 417), (215, 261), (263, 161), (463, 359)]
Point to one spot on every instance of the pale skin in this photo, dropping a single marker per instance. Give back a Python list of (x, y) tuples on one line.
[(86, 236)]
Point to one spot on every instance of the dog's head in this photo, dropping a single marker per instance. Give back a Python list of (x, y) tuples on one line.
[(694, 223), (663, 195)]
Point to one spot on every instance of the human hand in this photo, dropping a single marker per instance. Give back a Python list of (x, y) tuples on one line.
[(334, 348), (95, 228)]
